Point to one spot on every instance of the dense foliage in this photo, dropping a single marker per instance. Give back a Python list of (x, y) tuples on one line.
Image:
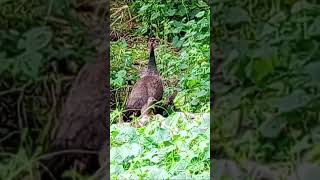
[(189, 67), (43, 45), (267, 104), (180, 148), (176, 148)]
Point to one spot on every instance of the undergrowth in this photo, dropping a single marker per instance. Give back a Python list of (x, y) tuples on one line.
[(179, 149), (173, 148), (41, 52), (267, 101)]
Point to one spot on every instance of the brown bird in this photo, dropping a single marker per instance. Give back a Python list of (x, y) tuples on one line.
[(147, 90), (82, 124)]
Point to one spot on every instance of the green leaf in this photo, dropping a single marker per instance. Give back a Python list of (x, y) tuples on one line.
[(159, 173), (298, 99), (154, 155), (143, 8), (121, 73), (263, 52), (116, 155), (35, 39), (30, 63), (180, 166), (127, 134), (183, 66), (301, 5), (314, 29), (4, 61), (116, 169), (182, 175), (195, 102), (161, 135), (278, 18), (235, 15), (155, 16), (313, 70), (135, 149), (200, 14), (201, 93), (272, 127), (261, 69), (267, 29), (171, 12)]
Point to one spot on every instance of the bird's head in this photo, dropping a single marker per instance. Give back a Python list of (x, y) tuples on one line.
[(153, 42)]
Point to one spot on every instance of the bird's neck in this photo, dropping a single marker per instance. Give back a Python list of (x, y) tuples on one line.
[(152, 61)]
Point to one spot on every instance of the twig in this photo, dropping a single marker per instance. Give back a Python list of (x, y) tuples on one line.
[(9, 135), (47, 170), (119, 9), (19, 109), (115, 21), (15, 89), (48, 155), (134, 18)]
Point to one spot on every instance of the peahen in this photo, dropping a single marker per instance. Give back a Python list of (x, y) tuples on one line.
[(147, 90)]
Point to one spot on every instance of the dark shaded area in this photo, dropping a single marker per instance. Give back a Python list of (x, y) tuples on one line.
[(54, 89), (83, 122)]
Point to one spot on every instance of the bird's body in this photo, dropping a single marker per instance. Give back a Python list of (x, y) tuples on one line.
[(149, 86)]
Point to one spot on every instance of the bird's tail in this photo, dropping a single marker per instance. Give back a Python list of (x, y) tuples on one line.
[(152, 66)]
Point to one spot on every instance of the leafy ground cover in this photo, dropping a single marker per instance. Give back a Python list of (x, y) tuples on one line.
[(176, 147)]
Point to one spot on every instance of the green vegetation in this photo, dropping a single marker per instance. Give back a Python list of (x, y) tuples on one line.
[(176, 146), (43, 45), (267, 104)]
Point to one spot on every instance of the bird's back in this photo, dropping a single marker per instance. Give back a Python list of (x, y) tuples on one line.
[(147, 86)]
